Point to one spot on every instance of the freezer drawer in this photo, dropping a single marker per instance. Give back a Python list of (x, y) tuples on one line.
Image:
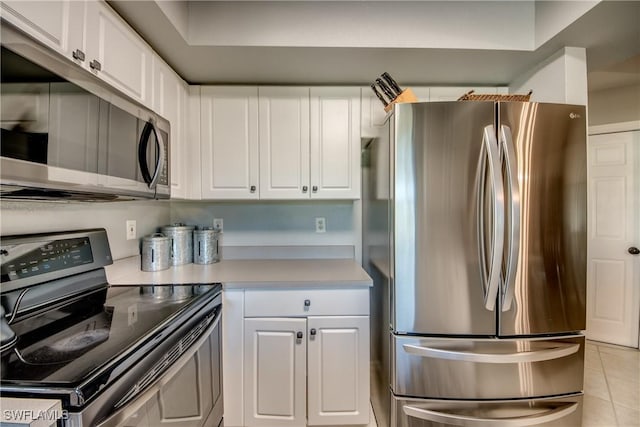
[(549, 412), (456, 368)]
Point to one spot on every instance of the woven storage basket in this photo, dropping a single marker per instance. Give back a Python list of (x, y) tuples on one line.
[(469, 96)]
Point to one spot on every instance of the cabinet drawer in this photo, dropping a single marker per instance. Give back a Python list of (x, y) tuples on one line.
[(321, 302)]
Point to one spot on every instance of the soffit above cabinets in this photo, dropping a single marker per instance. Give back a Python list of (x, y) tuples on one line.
[(352, 42)]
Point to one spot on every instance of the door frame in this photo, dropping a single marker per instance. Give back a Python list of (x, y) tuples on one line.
[(629, 126)]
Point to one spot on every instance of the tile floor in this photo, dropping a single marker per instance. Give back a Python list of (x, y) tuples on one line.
[(611, 386)]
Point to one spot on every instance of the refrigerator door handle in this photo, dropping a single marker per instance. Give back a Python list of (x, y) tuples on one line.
[(468, 421), (556, 352), (490, 144), (506, 142)]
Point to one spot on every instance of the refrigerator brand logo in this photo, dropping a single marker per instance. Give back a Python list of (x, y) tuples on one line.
[(574, 116)]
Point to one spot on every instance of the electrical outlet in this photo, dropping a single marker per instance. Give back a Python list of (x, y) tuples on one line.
[(218, 224), (321, 225), (131, 229)]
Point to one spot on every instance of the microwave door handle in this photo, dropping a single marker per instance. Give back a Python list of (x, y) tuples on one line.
[(506, 140), (159, 158), (151, 181)]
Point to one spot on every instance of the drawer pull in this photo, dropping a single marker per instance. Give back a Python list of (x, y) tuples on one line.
[(557, 352), (470, 421)]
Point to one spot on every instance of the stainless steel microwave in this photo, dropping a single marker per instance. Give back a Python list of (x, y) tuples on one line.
[(68, 135)]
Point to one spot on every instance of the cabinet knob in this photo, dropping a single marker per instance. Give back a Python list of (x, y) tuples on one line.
[(314, 188), (95, 65), (307, 302), (304, 188), (252, 189), (78, 54), (299, 335), (312, 331)]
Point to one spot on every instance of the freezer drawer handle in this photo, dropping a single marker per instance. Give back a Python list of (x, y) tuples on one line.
[(556, 352), (465, 420)]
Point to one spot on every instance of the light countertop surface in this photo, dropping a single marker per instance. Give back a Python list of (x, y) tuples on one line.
[(245, 273)]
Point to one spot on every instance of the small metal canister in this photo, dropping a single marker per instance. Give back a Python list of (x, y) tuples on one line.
[(206, 248), (155, 252), (181, 237)]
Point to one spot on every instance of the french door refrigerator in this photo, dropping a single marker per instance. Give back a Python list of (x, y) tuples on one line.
[(474, 230)]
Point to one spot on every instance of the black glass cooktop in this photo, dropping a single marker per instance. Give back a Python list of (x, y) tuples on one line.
[(66, 352)]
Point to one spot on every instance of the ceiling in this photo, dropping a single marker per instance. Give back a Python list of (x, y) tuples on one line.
[(609, 30)]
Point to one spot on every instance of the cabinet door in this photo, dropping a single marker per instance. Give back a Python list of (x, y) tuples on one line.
[(338, 371), (335, 143), (284, 142), (169, 100), (229, 151), (275, 372), (116, 53), (57, 24)]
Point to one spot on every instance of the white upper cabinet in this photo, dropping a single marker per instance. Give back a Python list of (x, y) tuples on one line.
[(169, 99), (229, 142), (92, 35), (284, 142), (335, 142), (280, 142), (56, 24), (115, 53)]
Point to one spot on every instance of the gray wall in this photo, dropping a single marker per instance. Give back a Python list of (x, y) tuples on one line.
[(277, 223), (37, 217), (614, 105)]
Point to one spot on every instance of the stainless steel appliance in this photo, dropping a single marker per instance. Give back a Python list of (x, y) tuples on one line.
[(475, 236), (113, 356), (66, 134)]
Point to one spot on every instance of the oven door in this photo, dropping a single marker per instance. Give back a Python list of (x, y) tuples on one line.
[(188, 393)]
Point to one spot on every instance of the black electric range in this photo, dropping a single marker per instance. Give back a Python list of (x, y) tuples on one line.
[(67, 335)]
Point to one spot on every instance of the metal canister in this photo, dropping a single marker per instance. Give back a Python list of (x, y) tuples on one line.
[(181, 237), (155, 252), (206, 248)]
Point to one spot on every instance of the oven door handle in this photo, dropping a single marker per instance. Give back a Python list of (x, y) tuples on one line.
[(130, 408)]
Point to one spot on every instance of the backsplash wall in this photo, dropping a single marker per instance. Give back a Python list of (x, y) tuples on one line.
[(278, 223), (38, 217)]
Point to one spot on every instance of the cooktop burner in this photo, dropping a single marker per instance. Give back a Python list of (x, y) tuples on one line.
[(74, 348)]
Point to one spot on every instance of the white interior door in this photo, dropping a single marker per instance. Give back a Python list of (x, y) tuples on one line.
[(613, 283)]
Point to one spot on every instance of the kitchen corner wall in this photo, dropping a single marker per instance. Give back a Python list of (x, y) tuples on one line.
[(278, 223), (39, 217)]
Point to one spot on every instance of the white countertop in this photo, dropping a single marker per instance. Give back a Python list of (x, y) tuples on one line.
[(245, 273)]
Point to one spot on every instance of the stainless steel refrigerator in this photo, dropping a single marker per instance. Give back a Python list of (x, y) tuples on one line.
[(474, 231)]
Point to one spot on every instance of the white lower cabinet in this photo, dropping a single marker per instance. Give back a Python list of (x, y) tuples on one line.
[(338, 370), (306, 371), (296, 356), (275, 368)]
